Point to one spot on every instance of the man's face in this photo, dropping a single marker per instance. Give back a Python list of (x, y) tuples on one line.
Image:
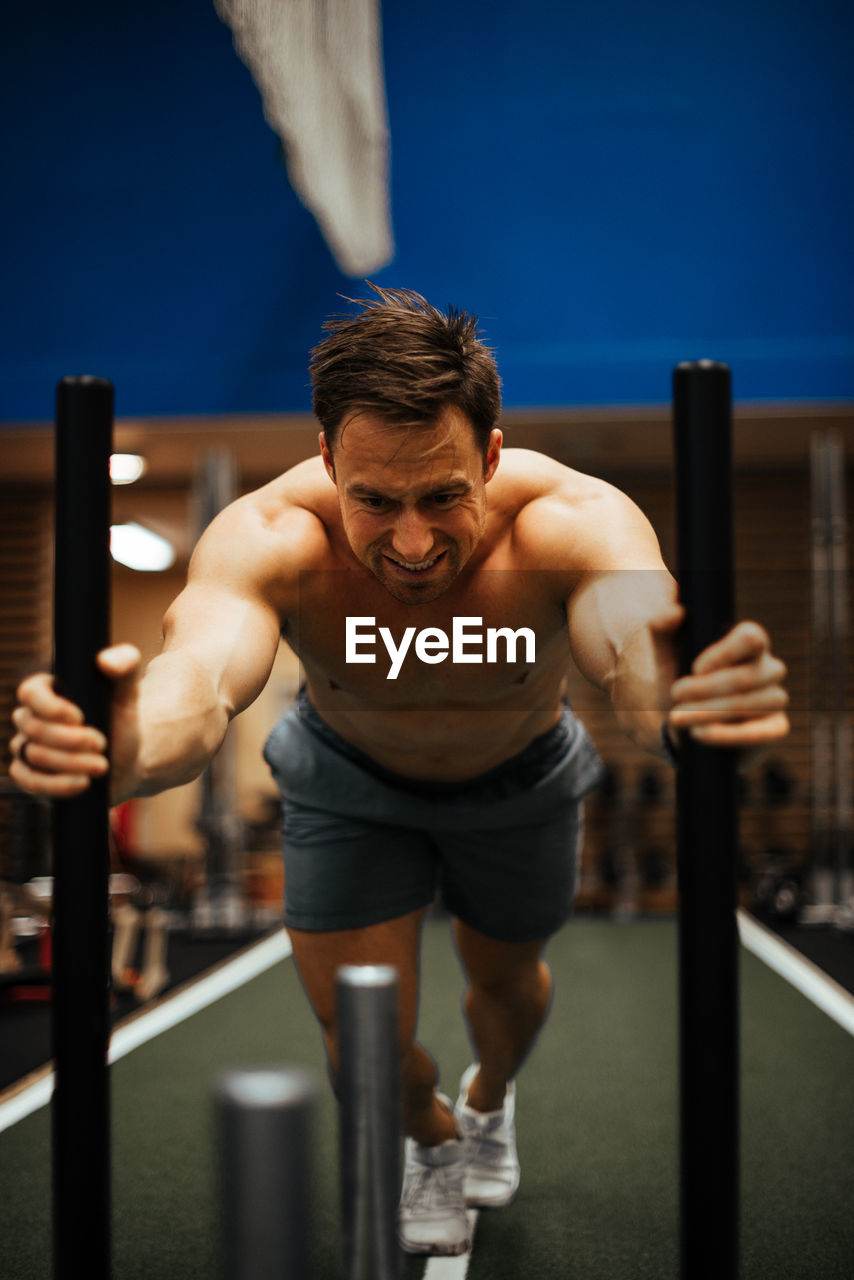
[(412, 500)]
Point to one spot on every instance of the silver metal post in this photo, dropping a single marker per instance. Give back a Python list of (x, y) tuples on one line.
[(369, 1096), (264, 1117)]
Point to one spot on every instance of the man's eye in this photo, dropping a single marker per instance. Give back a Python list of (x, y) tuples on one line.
[(444, 499), (373, 503)]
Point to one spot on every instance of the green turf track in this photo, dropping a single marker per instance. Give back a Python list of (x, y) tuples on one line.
[(596, 1120)]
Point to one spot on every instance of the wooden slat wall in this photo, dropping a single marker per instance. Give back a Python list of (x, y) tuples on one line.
[(26, 575)]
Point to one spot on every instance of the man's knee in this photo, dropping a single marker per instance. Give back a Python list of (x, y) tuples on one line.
[(319, 955), (509, 972), (522, 985)]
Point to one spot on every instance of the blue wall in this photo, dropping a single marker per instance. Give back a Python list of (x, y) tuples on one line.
[(611, 187)]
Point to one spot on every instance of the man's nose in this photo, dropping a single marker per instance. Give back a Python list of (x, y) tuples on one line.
[(412, 539)]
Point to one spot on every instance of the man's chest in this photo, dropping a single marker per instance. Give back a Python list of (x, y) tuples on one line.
[(493, 631)]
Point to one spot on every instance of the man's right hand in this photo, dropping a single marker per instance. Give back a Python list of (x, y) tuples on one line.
[(62, 754)]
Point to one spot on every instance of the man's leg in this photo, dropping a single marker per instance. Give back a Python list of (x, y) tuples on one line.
[(395, 942), (432, 1217), (506, 1004)]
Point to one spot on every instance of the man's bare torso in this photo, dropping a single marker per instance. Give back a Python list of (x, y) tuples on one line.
[(450, 720)]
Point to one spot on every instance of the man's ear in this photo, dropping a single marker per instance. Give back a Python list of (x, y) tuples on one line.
[(493, 454), (326, 455)]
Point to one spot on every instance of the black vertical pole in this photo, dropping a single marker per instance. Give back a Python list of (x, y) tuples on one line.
[(80, 959), (707, 841)]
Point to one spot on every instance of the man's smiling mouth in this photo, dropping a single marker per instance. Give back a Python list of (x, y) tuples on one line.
[(419, 566)]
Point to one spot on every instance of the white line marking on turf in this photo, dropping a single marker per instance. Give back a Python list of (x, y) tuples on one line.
[(167, 1013), (805, 976), (452, 1268), (26, 1102), (191, 999)]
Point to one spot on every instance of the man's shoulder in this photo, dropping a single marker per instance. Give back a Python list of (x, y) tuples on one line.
[(536, 488), (281, 528), (565, 517), (303, 497)]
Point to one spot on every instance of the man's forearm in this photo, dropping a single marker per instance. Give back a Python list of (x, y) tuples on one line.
[(649, 731), (638, 688), (167, 731)]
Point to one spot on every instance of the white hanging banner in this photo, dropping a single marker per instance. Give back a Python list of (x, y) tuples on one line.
[(318, 66)]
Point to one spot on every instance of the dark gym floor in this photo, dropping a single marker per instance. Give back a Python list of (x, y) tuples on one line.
[(25, 1025), (597, 1120)]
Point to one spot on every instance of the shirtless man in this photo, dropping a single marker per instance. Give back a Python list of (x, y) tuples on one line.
[(435, 599)]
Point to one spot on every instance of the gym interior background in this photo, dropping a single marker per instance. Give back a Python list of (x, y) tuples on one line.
[(612, 189), (630, 844)]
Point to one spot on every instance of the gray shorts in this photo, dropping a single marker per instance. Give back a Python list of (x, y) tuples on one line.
[(363, 845)]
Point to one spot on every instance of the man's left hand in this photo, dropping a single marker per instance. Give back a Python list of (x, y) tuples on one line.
[(734, 695)]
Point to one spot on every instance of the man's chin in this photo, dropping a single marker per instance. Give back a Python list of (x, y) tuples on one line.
[(415, 594)]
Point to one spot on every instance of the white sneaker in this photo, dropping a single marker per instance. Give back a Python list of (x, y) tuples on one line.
[(432, 1215), (492, 1166)]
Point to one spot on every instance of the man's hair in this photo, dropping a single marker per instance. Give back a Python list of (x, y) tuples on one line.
[(404, 361)]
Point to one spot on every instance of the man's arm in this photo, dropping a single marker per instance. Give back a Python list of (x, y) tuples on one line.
[(219, 644), (621, 627), (220, 641), (623, 616)]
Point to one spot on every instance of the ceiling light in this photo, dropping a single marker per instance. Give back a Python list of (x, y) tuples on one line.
[(127, 467), (138, 548)]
